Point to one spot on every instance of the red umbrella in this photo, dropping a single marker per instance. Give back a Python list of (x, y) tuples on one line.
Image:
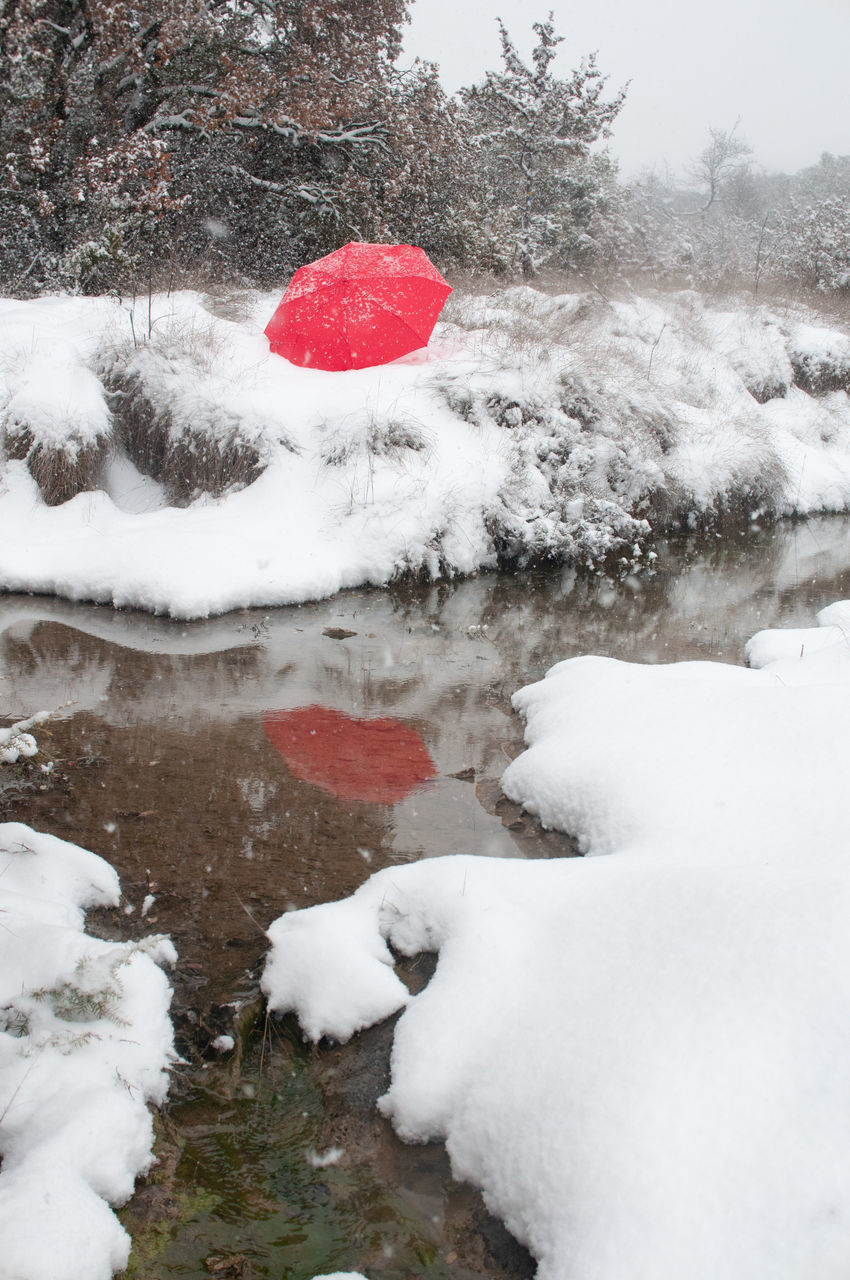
[(363, 305), (380, 761)]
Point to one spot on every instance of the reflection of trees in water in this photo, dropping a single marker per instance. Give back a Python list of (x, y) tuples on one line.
[(48, 644), (704, 599), (368, 681), (446, 657), (49, 666), (75, 665)]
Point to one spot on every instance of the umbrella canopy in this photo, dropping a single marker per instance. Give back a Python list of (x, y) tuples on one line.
[(363, 305), (379, 761)]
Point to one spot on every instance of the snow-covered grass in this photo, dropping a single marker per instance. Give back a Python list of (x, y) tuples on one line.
[(53, 408), (641, 1058), (85, 1043), (186, 409), (209, 474)]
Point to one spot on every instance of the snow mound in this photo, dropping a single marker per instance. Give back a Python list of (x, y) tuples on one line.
[(639, 1058), (598, 734), (85, 1042), (58, 400), (531, 428), (341, 1275), (756, 348)]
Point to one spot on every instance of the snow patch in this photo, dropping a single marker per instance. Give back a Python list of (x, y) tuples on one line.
[(85, 1043)]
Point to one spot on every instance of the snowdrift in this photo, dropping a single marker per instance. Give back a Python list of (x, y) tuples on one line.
[(156, 454), (85, 1043), (641, 1058)]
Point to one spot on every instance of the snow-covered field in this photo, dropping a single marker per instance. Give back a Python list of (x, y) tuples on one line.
[(641, 1058), (188, 471), (85, 1043)]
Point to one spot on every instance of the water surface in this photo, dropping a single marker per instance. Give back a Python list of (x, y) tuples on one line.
[(165, 763)]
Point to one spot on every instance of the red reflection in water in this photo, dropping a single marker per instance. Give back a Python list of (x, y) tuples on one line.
[(381, 761)]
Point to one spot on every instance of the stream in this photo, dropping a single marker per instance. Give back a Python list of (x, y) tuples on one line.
[(215, 765)]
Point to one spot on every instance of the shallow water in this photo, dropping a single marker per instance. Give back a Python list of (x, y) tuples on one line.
[(167, 766)]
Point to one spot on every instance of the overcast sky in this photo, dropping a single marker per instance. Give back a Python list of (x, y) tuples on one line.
[(783, 66)]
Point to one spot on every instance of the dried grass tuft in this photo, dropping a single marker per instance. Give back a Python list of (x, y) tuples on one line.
[(767, 388), (186, 463), (395, 436), (141, 430), (60, 470), (195, 464)]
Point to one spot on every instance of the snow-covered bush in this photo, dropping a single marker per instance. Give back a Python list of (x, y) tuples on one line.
[(754, 344), (820, 358), (633, 417), (816, 245)]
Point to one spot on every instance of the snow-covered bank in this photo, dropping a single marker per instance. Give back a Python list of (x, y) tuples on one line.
[(210, 474), (640, 1058), (759, 763), (85, 1042)]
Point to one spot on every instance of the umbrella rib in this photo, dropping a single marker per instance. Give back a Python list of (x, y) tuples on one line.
[(386, 306), (395, 315)]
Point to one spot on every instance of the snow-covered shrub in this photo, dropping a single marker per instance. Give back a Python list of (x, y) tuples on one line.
[(574, 490), (201, 451), (820, 359), (577, 400), (368, 437), (458, 397), (591, 533), (816, 243), (61, 472), (508, 411), (633, 418), (391, 437)]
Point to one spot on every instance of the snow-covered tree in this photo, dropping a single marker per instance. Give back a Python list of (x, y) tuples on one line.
[(814, 239), (533, 132), (815, 244), (126, 130), (81, 175)]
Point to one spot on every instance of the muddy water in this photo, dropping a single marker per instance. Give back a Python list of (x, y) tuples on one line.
[(176, 758)]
